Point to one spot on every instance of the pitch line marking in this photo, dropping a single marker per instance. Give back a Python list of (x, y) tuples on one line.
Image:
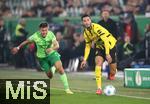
[(80, 90)]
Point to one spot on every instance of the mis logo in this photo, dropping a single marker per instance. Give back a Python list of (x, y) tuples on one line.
[(25, 91)]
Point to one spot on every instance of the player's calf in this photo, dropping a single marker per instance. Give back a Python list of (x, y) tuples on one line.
[(112, 72), (111, 76)]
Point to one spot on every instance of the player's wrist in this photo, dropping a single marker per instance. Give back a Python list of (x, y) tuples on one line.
[(84, 59), (52, 48), (18, 48)]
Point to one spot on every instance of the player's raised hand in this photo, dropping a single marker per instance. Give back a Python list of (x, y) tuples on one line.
[(83, 64), (14, 50)]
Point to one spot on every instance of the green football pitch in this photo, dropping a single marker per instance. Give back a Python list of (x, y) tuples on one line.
[(84, 87)]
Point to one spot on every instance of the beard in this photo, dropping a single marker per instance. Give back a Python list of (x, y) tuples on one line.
[(87, 26)]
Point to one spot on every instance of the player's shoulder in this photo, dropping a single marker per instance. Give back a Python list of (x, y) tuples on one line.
[(36, 34), (50, 32), (96, 26), (50, 35)]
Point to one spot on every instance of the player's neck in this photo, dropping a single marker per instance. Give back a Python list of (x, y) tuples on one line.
[(105, 19), (89, 28)]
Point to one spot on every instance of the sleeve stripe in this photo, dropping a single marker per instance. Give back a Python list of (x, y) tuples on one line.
[(108, 35), (88, 42)]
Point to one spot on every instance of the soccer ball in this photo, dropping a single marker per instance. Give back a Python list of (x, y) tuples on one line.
[(109, 90)]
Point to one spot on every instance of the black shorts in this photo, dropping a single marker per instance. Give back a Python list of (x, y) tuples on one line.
[(101, 52)]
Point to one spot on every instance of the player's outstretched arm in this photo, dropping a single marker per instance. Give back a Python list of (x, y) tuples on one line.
[(86, 54), (107, 49), (16, 49)]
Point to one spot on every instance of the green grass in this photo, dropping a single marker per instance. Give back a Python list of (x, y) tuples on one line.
[(58, 97), (84, 87)]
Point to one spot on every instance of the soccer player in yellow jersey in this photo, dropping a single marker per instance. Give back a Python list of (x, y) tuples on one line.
[(105, 49)]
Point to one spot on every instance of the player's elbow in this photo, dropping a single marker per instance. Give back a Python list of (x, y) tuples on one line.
[(57, 46)]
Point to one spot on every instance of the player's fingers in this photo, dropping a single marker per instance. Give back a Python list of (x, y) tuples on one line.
[(13, 51), (110, 60), (83, 65)]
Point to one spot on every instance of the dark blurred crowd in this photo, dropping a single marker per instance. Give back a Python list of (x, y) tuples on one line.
[(62, 8), (130, 47)]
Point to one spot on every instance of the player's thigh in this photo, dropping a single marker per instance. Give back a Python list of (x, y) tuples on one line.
[(99, 56), (113, 64), (113, 68), (44, 64), (99, 60), (113, 55), (54, 59), (58, 65)]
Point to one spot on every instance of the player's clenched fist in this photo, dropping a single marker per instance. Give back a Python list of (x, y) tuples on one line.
[(14, 50), (83, 64)]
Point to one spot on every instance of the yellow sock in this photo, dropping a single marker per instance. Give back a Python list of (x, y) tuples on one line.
[(98, 76)]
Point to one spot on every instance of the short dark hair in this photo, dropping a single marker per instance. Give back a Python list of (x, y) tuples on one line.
[(85, 15), (105, 10), (66, 20), (43, 25)]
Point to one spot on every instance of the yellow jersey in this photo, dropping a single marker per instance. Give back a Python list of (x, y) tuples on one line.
[(17, 32), (100, 36)]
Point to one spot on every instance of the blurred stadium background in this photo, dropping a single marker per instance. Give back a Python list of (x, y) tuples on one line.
[(63, 17)]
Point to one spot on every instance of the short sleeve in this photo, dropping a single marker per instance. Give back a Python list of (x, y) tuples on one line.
[(32, 38)]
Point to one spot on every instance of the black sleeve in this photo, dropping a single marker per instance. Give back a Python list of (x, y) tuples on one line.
[(115, 30), (2, 34), (135, 34), (23, 31)]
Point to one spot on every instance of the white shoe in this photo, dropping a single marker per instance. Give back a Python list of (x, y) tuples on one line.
[(68, 91)]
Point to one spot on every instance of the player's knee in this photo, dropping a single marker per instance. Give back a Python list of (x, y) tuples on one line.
[(98, 63), (113, 70), (49, 74), (61, 70)]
